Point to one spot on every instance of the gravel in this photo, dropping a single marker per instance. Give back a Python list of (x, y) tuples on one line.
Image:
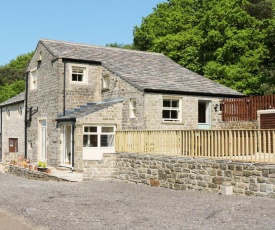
[(122, 205)]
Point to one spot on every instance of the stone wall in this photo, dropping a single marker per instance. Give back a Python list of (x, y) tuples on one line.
[(32, 174), (182, 173), (104, 169), (189, 116), (239, 125), (12, 127)]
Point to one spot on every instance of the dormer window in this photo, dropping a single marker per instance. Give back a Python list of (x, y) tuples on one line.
[(78, 74)]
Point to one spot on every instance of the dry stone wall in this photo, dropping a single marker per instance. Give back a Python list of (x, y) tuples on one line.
[(182, 173)]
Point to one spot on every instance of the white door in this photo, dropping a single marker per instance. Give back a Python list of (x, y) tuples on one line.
[(204, 115), (66, 156), (43, 140)]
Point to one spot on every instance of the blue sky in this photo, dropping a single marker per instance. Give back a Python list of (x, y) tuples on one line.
[(98, 22)]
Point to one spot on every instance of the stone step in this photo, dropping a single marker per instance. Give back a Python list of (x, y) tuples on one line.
[(63, 168)]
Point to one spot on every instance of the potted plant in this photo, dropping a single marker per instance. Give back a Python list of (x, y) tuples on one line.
[(42, 166)]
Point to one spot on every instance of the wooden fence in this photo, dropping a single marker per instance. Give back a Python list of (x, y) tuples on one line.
[(245, 109), (241, 145)]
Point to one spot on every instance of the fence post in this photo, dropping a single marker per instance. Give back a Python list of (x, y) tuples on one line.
[(192, 143), (230, 144)]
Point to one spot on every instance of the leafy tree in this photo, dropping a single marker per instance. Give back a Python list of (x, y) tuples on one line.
[(15, 69), (229, 41), (123, 46), (12, 77), (10, 90)]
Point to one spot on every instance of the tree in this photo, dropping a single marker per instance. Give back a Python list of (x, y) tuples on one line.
[(224, 40), (12, 77), (15, 69), (10, 90), (123, 46)]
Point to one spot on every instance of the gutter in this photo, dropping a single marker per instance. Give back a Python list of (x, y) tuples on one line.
[(192, 93)]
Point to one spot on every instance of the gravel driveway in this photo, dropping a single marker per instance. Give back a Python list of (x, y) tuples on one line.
[(121, 205)]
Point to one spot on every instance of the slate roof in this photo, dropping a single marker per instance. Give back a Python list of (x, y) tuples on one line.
[(88, 109), (18, 98), (147, 71)]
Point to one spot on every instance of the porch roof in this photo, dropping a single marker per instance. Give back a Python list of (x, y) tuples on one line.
[(147, 71), (87, 109)]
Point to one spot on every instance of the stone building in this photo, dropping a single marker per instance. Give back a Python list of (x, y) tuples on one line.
[(12, 128), (78, 95)]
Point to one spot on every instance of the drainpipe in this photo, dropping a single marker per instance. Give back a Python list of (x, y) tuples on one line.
[(26, 112), (73, 131), (64, 89)]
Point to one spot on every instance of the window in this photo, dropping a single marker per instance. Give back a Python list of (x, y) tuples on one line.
[(105, 82), (171, 110), (133, 107), (8, 111), (33, 79), (98, 136), (20, 110), (78, 74)]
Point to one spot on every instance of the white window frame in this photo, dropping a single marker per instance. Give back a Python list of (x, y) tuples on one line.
[(42, 137), (171, 108), (132, 108), (79, 67), (105, 82), (99, 133), (33, 79)]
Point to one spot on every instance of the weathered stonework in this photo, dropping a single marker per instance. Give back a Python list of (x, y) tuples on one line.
[(183, 173), (12, 127)]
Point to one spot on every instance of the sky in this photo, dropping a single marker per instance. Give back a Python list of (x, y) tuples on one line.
[(97, 22)]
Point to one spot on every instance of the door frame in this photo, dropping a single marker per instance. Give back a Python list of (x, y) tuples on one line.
[(207, 112), (42, 148), (64, 146)]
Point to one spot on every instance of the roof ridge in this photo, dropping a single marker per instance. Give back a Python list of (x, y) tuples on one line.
[(100, 47)]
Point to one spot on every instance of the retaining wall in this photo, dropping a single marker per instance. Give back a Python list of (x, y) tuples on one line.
[(183, 173)]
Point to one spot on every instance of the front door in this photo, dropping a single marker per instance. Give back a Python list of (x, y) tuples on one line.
[(204, 121), (13, 145), (66, 156), (43, 140)]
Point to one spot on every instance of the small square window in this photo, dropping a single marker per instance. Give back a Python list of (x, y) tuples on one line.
[(78, 74), (171, 110), (133, 107)]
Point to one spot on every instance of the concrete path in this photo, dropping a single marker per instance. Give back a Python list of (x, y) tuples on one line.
[(11, 221)]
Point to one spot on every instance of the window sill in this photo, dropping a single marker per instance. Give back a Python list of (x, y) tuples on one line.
[(104, 89), (172, 123)]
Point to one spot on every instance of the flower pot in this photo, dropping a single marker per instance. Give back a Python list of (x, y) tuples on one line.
[(40, 169)]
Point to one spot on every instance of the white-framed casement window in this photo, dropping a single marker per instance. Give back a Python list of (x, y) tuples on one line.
[(105, 82), (133, 107), (98, 136), (78, 74), (33, 79), (171, 109), (20, 110)]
